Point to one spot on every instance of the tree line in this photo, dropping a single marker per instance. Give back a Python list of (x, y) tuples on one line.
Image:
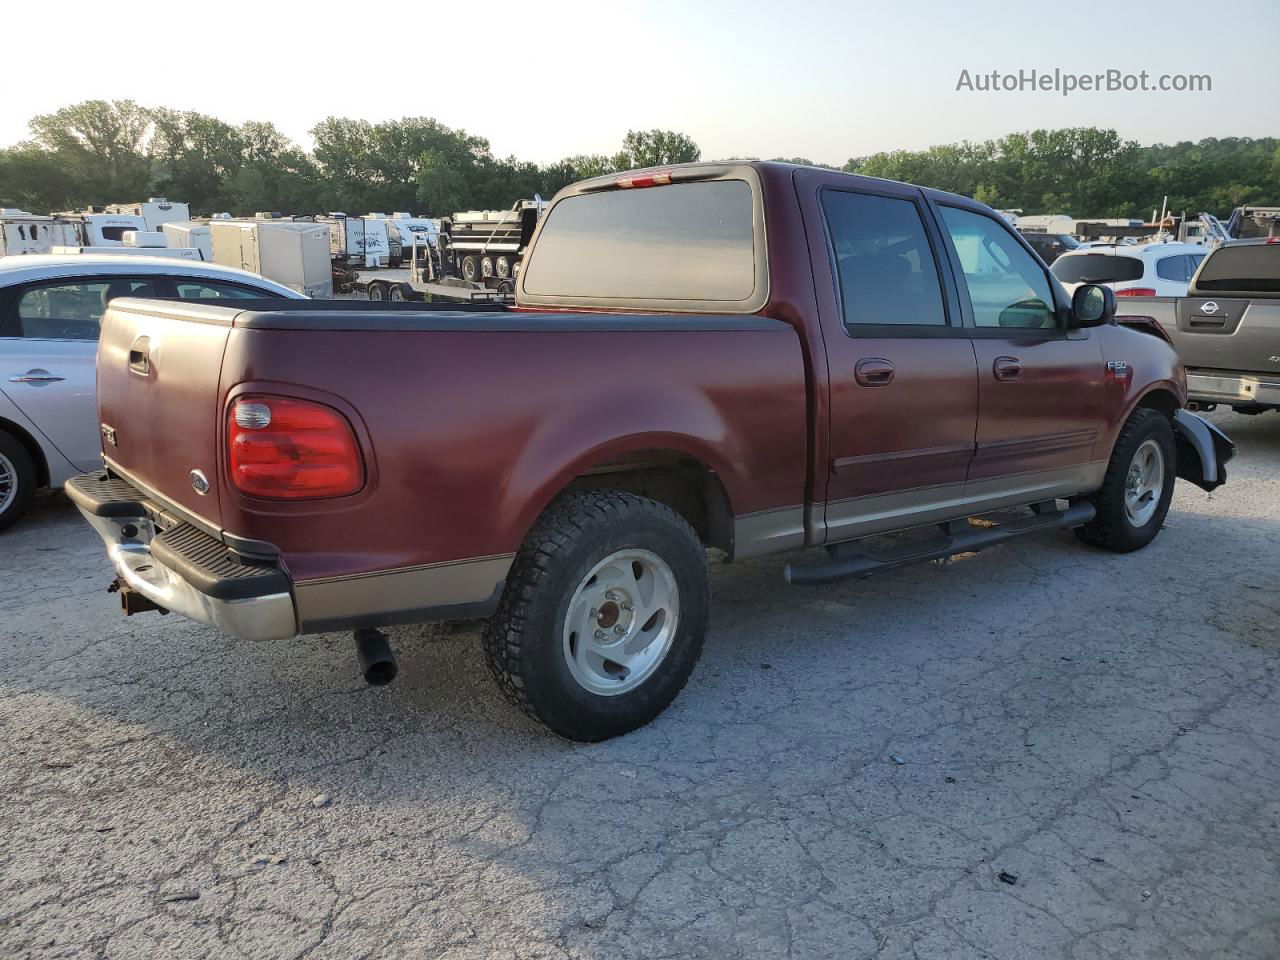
[(116, 151)]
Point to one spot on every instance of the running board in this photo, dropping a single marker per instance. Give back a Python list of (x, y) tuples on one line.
[(958, 536)]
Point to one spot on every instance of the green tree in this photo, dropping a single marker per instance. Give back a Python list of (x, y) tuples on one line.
[(654, 148), (101, 147)]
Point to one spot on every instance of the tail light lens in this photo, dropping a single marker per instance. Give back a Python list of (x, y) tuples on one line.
[(282, 448), (1137, 292)]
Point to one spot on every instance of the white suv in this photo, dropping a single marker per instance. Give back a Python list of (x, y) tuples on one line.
[(1137, 270)]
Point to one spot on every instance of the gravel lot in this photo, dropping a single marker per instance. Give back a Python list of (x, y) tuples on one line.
[(1104, 729)]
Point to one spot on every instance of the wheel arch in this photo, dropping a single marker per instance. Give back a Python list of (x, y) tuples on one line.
[(32, 446), (670, 470)]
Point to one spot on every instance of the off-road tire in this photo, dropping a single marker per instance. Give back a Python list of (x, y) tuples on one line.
[(24, 469), (1111, 529), (523, 640)]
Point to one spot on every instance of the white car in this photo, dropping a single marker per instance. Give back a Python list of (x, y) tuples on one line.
[(50, 309), (1132, 270)]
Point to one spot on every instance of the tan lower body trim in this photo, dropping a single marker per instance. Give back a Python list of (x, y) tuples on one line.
[(768, 531), (881, 513), (383, 595)]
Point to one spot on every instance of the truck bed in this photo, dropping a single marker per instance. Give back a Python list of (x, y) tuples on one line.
[(444, 480)]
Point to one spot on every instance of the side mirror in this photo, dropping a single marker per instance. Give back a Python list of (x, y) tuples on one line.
[(1092, 305)]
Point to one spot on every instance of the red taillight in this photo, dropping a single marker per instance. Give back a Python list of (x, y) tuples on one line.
[(657, 179), (1137, 292), (288, 449)]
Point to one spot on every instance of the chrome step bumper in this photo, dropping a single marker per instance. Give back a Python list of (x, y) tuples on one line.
[(181, 568)]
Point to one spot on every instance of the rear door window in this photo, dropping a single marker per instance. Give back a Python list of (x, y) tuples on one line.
[(1007, 286), (884, 262), (194, 289), (679, 242), (1173, 268), (71, 309), (1096, 268)]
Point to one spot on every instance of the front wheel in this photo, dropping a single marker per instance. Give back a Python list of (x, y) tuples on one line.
[(603, 616), (1138, 485)]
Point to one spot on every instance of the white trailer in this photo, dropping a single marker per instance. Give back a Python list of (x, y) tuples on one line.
[(190, 233), (22, 232), (96, 228), (155, 211), (295, 254)]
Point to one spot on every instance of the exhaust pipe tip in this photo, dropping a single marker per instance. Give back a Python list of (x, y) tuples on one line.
[(377, 662)]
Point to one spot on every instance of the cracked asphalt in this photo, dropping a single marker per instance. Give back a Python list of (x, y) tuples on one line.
[(1101, 731)]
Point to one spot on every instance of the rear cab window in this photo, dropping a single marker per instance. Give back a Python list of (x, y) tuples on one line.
[(1248, 268), (1096, 268), (693, 245)]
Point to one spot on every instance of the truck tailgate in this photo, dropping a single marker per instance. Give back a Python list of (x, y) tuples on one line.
[(158, 373), (1229, 333)]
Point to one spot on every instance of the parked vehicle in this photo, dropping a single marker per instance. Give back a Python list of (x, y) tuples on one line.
[(155, 212), (1227, 328), (486, 246), (359, 241), (1139, 270), (428, 278), (96, 228), (134, 243), (1051, 246), (1248, 223), (758, 357), (50, 308), (22, 232), (190, 235), (292, 253)]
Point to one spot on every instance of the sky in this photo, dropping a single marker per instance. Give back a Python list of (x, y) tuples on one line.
[(544, 79)]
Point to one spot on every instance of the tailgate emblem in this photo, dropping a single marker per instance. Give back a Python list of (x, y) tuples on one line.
[(199, 482), (1210, 308)]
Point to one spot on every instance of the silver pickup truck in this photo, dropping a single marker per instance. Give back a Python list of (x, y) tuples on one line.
[(1227, 328)]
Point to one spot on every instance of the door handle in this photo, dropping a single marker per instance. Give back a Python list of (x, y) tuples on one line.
[(140, 356), (873, 372), (36, 376), (1007, 368)]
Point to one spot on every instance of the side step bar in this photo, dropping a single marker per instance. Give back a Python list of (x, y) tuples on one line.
[(958, 536)]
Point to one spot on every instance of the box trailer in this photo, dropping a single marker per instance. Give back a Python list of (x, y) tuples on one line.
[(292, 253), (190, 233)]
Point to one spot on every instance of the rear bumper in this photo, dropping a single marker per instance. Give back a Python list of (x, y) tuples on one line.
[(1241, 389), (183, 569)]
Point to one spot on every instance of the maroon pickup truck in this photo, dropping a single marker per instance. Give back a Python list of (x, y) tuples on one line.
[(755, 357)]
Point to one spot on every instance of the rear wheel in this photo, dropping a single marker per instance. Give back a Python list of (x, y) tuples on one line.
[(502, 267), (603, 616), (398, 293), (470, 268), (1138, 485), (17, 480)]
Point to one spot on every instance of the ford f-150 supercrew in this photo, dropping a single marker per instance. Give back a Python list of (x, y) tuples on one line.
[(754, 357)]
